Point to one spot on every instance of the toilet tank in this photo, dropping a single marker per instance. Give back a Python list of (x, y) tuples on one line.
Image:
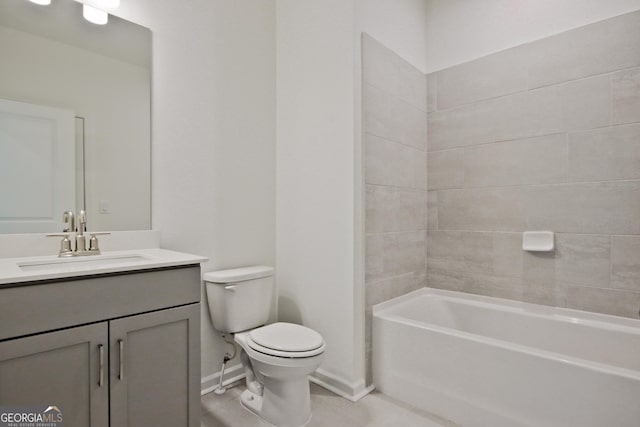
[(239, 299)]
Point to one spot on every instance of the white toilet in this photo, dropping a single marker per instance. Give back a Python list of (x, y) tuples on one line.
[(277, 358)]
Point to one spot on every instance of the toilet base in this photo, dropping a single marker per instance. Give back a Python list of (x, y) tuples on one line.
[(251, 402), (254, 404)]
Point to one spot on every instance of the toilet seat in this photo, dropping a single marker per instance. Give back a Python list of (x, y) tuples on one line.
[(286, 340)]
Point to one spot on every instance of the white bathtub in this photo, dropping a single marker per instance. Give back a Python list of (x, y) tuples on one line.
[(489, 362)]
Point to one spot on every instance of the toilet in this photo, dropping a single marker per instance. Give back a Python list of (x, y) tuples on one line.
[(278, 357)]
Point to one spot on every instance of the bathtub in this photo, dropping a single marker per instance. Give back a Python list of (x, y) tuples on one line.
[(487, 362)]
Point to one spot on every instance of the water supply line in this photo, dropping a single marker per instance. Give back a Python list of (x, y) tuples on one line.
[(221, 386)]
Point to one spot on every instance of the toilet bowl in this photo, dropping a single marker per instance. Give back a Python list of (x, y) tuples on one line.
[(277, 358), (277, 370)]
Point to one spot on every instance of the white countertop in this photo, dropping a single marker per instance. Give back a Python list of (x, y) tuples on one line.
[(30, 269)]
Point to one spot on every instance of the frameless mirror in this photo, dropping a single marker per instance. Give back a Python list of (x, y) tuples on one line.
[(75, 119)]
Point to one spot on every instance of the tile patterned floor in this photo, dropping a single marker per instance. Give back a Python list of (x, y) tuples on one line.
[(329, 410)]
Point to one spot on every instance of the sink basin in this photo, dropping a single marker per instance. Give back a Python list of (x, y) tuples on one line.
[(63, 264)]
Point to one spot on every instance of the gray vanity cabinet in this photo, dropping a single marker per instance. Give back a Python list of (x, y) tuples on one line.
[(153, 361), (125, 352), (62, 369)]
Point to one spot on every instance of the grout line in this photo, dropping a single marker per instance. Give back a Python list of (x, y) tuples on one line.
[(548, 184), (532, 89), (387, 233), (568, 233), (571, 233), (397, 187), (535, 136), (393, 95), (386, 139)]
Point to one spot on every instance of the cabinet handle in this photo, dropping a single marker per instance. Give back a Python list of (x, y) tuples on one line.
[(101, 358), (121, 370)]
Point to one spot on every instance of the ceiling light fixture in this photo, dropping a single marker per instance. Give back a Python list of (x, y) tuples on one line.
[(94, 15), (109, 4), (43, 2)]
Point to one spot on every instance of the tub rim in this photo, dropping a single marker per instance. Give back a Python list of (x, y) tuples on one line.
[(380, 311), (599, 320)]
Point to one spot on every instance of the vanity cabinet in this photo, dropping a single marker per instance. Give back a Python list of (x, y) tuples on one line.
[(133, 368), (152, 371), (59, 368)]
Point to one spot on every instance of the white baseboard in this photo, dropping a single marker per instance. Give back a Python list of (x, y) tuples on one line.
[(231, 375), (353, 392)]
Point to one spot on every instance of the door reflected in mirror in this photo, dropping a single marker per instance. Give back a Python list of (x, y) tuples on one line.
[(75, 119)]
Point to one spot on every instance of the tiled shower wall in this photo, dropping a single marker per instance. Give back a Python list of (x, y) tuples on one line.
[(395, 143), (544, 136)]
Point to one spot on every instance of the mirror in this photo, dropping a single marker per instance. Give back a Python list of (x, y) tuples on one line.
[(75, 119)]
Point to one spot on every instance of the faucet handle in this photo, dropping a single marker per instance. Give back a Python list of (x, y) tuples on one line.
[(93, 241), (65, 244)]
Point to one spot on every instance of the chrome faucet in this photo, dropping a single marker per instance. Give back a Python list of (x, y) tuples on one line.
[(81, 241), (66, 249), (68, 219)]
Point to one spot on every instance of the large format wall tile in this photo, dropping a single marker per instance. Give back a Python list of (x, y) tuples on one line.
[(432, 210), (390, 209), (606, 46), (381, 113), (389, 117), (539, 269), (626, 96), (495, 75), (486, 121), (413, 85), (445, 169), (450, 280), (431, 92), (404, 253), (394, 104), (498, 254), (605, 154), (539, 160), (583, 259), (508, 257), (582, 104), (395, 254), (386, 70), (374, 257), (625, 258), (494, 286), (490, 209), (598, 208), (395, 164), (608, 301), (380, 65), (561, 153), (447, 250)]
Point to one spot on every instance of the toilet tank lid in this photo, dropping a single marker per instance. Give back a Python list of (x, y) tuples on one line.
[(238, 274)]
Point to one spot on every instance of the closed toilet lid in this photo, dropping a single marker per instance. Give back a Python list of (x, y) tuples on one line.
[(286, 337)]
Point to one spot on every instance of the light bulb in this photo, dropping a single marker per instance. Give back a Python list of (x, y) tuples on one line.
[(43, 2), (94, 15)]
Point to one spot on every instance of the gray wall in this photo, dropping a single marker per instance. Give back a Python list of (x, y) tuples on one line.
[(395, 133), (544, 136)]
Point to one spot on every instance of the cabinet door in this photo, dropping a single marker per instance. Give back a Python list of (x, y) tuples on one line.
[(155, 369), (61, 369)]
